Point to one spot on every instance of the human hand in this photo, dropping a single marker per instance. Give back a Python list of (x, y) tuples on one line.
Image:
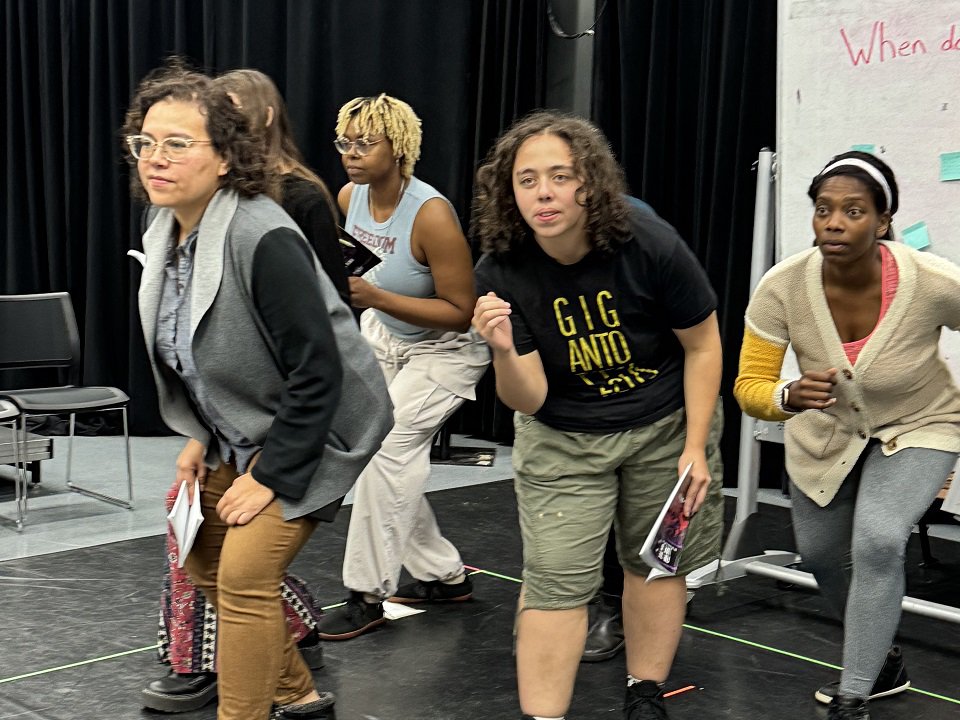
[(813, 390), (491, 319), (190, 466), (695, 489), (244, 500), (362, 293)]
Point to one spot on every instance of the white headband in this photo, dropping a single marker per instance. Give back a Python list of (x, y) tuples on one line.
[(869, 169)]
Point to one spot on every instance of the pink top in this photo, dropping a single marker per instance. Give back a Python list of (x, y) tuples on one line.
[(889, 278)]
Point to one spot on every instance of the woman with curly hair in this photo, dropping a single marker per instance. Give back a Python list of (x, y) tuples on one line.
[(188, 623), (245, 337), (417, 305), (604, 335)]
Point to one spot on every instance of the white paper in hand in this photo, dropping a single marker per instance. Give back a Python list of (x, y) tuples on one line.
[(185, 520)]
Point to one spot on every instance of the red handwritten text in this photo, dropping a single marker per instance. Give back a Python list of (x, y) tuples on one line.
[(952, 42), (884, 48)]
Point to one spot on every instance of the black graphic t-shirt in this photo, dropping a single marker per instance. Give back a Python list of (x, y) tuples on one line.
[(604, 325)]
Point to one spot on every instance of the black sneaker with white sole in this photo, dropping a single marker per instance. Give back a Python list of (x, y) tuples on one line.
[(892, 680)]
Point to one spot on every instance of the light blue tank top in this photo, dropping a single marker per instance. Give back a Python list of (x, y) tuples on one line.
[(399, 270)]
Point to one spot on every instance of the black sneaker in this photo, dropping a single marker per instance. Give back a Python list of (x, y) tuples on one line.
[(353, 618), (321, 709), (644, 701), (892, 680), (177, 693), (843, 707), (420, 591)]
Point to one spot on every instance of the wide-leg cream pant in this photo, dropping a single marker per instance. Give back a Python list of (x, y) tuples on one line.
[(392, 524)]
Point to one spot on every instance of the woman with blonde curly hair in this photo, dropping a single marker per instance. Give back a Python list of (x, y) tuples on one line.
[(604, 335), (417, 305), (245, 336)]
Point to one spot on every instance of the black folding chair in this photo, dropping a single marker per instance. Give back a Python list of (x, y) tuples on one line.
[(40, 331)]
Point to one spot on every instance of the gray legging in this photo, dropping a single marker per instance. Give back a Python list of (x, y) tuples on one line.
[(857, 544)]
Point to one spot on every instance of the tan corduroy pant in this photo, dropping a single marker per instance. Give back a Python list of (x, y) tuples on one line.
[(240, 569)]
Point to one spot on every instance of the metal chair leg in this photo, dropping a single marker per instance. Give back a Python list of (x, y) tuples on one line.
[(20, 463), (126, 441), (128, 503)]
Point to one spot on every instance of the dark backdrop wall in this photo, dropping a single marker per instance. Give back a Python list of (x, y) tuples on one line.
[(467, 67), (686, 93), (684, 90)]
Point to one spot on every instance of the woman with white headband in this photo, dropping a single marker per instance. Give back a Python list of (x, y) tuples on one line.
[(873, 423)]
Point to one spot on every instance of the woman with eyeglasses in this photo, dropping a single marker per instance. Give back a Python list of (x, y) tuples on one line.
[(188, 624), (248, 367), (418, 303)]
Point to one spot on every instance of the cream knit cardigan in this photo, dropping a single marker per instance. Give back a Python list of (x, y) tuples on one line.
[(900, 391)]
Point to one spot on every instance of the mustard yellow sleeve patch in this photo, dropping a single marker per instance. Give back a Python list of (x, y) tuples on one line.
[(759, 377)]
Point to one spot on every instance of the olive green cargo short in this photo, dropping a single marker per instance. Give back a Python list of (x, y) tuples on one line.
[(571, 486)]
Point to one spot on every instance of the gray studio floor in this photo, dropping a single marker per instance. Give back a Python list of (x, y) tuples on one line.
[(59, 520), (79, 589)]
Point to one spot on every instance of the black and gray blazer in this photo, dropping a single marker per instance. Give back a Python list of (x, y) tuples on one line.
[(278, 351)]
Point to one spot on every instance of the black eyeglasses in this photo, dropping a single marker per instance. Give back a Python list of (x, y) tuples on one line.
[(361, 146), (173, 149)]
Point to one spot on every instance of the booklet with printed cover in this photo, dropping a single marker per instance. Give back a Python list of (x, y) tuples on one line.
[(357, 257), (661, 550)]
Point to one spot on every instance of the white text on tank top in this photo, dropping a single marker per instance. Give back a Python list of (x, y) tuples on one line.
[(399, 271)]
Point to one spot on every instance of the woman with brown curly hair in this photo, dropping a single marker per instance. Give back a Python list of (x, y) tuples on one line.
[(188, 624), (604, 335), (245, 337)]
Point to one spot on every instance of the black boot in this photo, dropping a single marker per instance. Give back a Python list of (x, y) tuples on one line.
[(604, 629), (311, 650), (180, 693)]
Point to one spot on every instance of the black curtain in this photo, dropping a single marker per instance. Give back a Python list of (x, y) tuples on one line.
[(511, 58), (684, 90), (467, 67), (686, 93)]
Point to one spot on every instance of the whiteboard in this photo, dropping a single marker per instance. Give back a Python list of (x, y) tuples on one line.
[(884, 73)]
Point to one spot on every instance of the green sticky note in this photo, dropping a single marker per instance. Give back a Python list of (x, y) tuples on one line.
[(872, 149), (949, 166), (917, 236)]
